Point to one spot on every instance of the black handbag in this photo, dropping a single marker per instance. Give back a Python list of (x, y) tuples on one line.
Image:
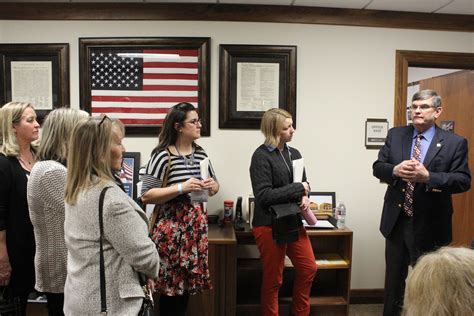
[(285, 222), (147, 308)]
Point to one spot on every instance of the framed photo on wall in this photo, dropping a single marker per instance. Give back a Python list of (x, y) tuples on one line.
[(36, 74), (137, 80), (129, 172), (253, 79)]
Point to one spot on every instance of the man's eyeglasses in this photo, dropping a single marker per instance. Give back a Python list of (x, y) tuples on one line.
[(422, 107), (194, 122)]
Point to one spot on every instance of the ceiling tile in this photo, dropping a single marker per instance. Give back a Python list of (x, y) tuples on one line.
[(267, 2), (34, 0), (407, 5), (348, 4), (184, 1), (121, 1), (459, 7)]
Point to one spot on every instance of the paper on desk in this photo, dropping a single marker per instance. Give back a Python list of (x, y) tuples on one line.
[(319, 224), (204, 168), (298, 167)]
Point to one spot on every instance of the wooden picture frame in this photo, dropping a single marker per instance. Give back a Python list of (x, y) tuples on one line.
[(129, 173), (322, 203), (36, 74), (253, 79), (166, 71)]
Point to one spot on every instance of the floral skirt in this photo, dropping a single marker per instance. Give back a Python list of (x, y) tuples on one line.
[(180, 235)]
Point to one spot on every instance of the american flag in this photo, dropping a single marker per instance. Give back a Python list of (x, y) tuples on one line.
[(126, 173), (140, 90)]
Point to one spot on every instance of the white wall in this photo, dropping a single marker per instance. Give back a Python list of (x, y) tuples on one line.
[(345, 75)]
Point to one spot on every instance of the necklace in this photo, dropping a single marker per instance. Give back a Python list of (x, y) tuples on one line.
[(25, 162), (187, 161)]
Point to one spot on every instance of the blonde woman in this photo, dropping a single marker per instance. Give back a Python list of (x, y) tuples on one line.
[(441, 284), (271, 173), (94, 152), (46, 204), (18, 155)]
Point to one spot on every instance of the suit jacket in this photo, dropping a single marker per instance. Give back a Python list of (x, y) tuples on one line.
[(127, 250), (447, 162)]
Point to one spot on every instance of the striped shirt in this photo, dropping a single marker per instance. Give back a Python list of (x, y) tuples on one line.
[(182, 168)]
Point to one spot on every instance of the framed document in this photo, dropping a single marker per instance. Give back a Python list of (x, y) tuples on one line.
[(137, 80), (253, 79), (36, 74), (375, 133)]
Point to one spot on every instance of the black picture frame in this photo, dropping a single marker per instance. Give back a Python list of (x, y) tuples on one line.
[(55, 53), (230, 56), (374, 130), (164, 94), (322, 197), (129, 173)]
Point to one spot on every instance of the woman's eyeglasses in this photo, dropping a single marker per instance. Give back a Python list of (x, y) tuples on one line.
[(194, 122), (102, 118)]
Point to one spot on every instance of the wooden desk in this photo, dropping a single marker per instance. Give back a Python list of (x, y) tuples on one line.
[(330, 290), (219, 301)]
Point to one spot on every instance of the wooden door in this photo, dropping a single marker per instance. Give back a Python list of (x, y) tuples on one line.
[(456, 91)]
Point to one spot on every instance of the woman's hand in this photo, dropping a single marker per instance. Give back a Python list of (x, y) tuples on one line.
[(304, 205), (306, 188), (192, 185), (150, 284), (5, 268), (211, 185)]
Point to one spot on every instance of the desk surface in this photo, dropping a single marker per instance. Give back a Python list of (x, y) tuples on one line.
[(221, 235)]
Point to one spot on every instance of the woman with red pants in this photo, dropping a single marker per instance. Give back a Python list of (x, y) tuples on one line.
[(271, 173)]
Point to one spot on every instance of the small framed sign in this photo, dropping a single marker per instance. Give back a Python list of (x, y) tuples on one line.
[(375, 133)]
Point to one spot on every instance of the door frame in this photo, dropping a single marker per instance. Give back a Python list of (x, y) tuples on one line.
[(412, 58)]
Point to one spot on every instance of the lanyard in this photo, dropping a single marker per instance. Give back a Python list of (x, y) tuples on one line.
[(184, 159), (284, 160)]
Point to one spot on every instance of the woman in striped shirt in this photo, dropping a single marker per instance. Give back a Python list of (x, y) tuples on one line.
[(173, 182)]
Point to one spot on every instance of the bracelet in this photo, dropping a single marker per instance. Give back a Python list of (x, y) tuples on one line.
[(180, 188)]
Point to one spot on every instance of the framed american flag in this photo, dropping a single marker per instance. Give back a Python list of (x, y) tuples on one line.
[(129, 173), (137, 80)]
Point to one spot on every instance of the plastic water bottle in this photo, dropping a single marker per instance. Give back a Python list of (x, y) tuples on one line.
[(341, 215)]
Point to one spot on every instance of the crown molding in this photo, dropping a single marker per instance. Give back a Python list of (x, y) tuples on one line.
[(236, 12)]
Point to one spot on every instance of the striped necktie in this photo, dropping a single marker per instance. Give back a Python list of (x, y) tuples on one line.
[(408, 203)]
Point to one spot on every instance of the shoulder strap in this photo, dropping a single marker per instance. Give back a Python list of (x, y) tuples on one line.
[(103, 299), (167, 172), (154, 215)]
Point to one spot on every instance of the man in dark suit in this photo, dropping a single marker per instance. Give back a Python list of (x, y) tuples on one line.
[(422, 165)]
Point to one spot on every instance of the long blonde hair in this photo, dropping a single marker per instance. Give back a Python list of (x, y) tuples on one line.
[(11, 114), (88, 158), (57, 130), (441, 284), (272, 124)]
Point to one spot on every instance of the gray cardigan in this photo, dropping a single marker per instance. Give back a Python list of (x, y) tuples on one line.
[(46, 204), (127, 249), (272, 183)]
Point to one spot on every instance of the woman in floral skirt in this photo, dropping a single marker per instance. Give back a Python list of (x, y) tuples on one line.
[(173, 182)]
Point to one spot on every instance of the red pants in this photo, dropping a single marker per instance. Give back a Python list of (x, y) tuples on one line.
[(273, 258)]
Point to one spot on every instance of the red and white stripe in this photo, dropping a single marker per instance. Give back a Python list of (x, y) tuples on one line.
[(164, 85)]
